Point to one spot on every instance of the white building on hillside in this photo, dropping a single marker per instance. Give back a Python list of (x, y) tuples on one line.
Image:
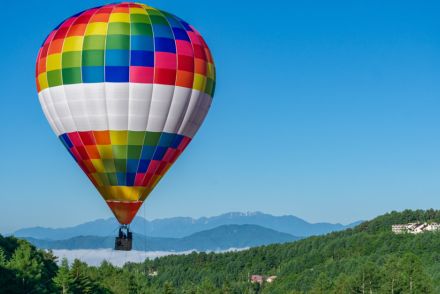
[(415, 228)]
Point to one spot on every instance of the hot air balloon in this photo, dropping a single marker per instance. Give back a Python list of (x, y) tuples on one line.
[(125, 87)]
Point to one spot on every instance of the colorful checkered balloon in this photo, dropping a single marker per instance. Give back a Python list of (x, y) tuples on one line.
[(125, 87)]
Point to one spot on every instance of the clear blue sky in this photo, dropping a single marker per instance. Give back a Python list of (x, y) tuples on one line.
[(328, 110)]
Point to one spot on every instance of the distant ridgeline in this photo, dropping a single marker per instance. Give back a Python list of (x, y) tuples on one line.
[(369, 258)]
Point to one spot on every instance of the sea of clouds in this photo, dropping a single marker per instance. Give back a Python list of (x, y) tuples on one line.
[(118, 258), (95, 257)]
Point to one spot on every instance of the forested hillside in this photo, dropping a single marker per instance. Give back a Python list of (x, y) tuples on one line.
[(366, 259)]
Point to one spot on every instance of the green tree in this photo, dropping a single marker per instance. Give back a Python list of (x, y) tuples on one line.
[(112, 278), (63, 280), (255, 288), (133, 286), (8, 281), (341, 284), (367, 279), (189, 288), (2, 258), (392, 281), (29, 269), (168, 288), (415, 278), (226, 288), (322, 285), (82, 282)]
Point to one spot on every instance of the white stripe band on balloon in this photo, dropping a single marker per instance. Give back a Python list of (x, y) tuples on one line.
[(124, 106)]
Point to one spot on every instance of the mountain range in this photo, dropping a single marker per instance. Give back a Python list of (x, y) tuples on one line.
[(370, 258), (220, 238), (180, 227)]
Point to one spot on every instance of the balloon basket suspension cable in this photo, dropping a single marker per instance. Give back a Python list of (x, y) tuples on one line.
[(124, 240), (145, 241)]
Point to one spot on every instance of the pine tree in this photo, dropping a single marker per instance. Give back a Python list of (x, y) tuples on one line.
[(29, 268), (168, 288), (63, 280), (133, 287), (8, 281), (322, 284), (392, 281), (415, 278), (342, 284), (2, 258), (226, 289), (367, 279), (82, 282), (189, 288), (206, 286)]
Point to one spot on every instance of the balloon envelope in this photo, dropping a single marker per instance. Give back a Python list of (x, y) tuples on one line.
[(125, 87)]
